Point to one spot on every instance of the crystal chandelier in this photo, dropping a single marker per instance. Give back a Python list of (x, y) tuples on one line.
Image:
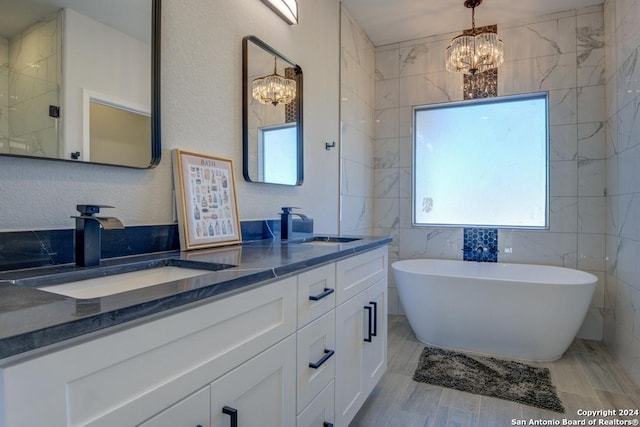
[(475, 52), (274, 88)]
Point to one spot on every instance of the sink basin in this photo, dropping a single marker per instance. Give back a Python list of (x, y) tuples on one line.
[(328, 240), (110, 285), (104, 281)]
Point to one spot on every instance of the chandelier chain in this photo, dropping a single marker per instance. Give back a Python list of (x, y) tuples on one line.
[(473, 20)]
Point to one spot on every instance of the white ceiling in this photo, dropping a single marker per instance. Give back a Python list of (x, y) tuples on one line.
[(392, 21)]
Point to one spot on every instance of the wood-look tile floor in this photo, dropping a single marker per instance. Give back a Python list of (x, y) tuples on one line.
[(587, 378)]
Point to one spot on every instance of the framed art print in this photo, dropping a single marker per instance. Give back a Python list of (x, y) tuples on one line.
[(206, 200)]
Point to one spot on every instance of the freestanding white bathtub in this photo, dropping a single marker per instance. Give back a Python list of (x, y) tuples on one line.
[(528, 312)]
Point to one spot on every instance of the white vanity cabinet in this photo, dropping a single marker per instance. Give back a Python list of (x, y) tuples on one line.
[(260, 392), (192, 411), (361, 325), (287, 353), (316, 344), (133, 374)]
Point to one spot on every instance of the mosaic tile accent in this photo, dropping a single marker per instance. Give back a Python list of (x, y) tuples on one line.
[(481, 85), (290, 108), (485, 84), (485, 238)]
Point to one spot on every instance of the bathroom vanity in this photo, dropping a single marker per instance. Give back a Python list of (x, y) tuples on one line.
[(293, 335)]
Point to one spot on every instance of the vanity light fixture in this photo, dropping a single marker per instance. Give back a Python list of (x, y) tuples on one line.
[(477, 51), (274, 88), (285, 9)]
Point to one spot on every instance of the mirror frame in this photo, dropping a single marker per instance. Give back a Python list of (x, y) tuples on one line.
[(245, 110), (156, 140), (156, 145)]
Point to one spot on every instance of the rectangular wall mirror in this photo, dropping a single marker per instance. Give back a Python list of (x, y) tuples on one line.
[(272, 115), (482, 163), (61, 61)]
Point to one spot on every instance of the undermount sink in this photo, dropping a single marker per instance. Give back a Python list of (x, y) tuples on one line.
[(328, 240), (110, 280)]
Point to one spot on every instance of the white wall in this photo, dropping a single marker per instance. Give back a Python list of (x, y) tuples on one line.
[(622, 297), (202, 111), (561, 53)]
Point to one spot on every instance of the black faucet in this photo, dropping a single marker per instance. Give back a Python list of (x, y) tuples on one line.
[(88, 235), (286, 221)]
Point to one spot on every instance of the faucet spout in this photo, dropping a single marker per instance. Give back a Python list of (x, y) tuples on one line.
[(88, 233), (286, 221), (109, 223)]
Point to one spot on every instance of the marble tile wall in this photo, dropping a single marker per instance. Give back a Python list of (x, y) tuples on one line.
[(357, 103), (34, 73), (622, 130), (561, 53), (4, 95)]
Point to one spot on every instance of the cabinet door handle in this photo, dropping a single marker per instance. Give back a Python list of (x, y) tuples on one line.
[(327, 355), (366, 307), (233, 413), (326, 424), (323, 294), (374, 333)]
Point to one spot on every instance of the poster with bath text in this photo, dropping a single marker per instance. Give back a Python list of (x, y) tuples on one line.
[(206, 200)]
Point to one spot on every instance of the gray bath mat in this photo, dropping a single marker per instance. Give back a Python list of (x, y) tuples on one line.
[(504, 379)]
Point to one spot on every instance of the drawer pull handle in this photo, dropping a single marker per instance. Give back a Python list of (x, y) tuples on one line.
[(233, 413), (366, 307), (327, 356), (374, 333), (326, 424), (323, 294)]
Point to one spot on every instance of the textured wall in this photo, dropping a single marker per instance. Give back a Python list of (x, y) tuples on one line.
[(201, 111), (561, 53), (357, 103), (622, 298)]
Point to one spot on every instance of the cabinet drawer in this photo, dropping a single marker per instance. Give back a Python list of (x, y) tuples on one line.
[(316, 293), (194, 410), (320, 411), (357, 273), (316, 346)]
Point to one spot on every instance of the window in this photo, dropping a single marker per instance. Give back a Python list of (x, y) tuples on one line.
[(277, 154), (482, 163)]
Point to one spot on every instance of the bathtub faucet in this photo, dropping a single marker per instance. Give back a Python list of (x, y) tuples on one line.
[(479, 253)]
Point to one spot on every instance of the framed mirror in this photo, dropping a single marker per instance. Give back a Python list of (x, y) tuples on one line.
[(271, 115), (80, 80)]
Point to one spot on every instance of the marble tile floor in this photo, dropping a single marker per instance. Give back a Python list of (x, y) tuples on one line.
[(586, 378)]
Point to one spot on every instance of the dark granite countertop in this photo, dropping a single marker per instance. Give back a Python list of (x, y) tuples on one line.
[(31, 318)]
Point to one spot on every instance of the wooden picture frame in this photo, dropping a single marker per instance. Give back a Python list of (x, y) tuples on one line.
[(206, 201)]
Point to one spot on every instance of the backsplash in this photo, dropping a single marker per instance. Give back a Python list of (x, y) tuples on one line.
[(29, 249)]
